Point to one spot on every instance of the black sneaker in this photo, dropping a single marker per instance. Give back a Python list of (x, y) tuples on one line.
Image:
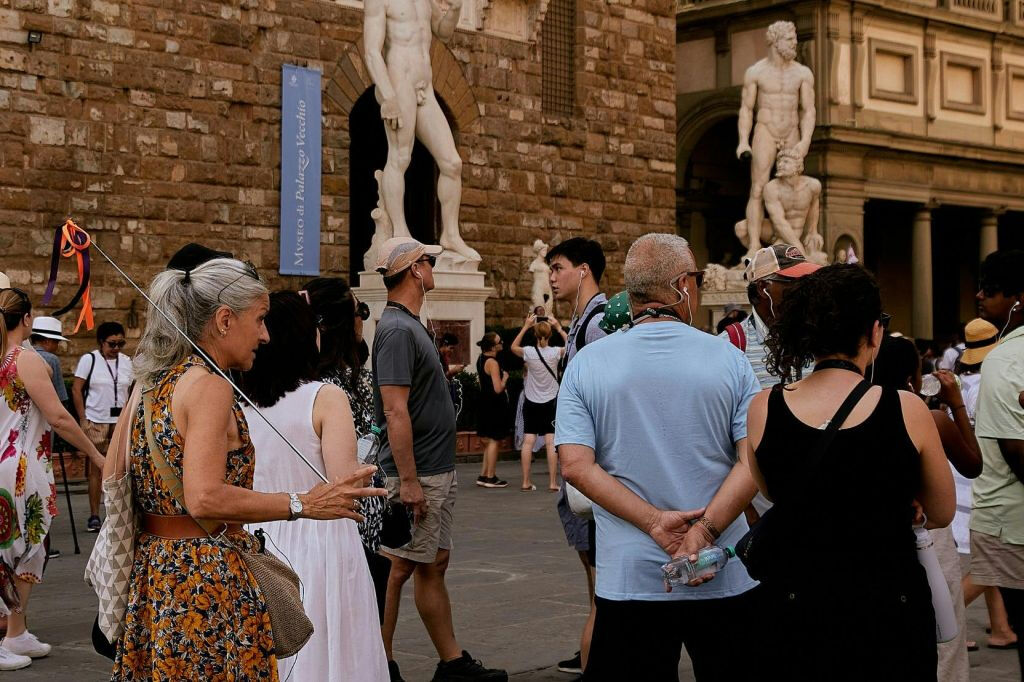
[(93, 524), (466, 669), (571, 665), (482, 481), (394, 672), (495, 482)]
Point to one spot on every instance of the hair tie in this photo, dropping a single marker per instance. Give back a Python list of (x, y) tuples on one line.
[(187, 279), (3, 311)]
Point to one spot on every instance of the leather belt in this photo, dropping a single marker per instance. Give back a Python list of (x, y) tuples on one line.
[(180, 527)]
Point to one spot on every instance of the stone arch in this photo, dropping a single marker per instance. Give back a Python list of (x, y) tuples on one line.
[(692, 126), (349, 79)]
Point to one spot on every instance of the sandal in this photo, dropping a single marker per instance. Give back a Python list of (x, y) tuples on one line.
[(528, 490)]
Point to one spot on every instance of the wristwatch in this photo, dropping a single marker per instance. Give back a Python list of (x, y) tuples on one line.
[(294, 506)]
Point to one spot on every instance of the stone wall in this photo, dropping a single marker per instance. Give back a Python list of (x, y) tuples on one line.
[(156, 122)]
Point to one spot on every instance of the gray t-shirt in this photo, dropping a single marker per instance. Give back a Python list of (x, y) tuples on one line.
[(58, 376), (404, 355)]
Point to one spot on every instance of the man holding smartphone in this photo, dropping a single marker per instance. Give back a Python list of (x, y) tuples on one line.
[(99, 390)]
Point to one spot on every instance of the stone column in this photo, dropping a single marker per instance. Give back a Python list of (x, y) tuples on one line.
[(989, 233), (921, 270)]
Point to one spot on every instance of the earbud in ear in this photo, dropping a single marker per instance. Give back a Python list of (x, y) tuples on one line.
[(1015, 306)]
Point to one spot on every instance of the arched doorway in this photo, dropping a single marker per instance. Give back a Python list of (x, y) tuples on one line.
[(368, 152), (712, 195)]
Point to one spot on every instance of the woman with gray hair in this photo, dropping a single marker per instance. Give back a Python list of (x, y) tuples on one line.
[(194, 610)]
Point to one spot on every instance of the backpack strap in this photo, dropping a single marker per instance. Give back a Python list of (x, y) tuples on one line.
[(737, 336), (581, 333), (88, 380)]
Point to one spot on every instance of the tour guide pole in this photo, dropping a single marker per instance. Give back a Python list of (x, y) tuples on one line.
[(67, 494)]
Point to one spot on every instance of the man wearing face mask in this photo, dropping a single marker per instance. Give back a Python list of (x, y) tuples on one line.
[(769, 274), (997, 517), (649, 424)]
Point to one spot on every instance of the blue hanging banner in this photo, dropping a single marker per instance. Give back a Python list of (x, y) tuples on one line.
[(300, 171)]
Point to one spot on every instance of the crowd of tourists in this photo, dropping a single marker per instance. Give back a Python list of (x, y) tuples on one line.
[(806, 439)]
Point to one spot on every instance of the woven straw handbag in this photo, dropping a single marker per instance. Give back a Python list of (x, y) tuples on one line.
[(110, 563), (277, 582)]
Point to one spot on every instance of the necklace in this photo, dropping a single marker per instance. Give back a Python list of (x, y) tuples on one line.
[(835, 363)]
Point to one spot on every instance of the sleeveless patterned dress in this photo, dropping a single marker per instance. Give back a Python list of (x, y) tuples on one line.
[(194, 611), (28, 496)]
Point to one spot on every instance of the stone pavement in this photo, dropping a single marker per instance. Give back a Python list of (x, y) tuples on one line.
[(517, 591)]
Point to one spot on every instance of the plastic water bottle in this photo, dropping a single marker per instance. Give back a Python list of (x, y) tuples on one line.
[(368, 446), (930, 385), (946, 626), (710, 560)]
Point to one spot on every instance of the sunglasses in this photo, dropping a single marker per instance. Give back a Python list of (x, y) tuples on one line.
[(427, 259), (698, 276), (116, 344), (884, 319), (250, 271)]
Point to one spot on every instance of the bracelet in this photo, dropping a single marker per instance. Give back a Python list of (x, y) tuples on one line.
[(957, 407), (709, 526)]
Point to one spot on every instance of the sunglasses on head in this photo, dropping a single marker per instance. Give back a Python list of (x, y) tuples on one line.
[(250, 271)]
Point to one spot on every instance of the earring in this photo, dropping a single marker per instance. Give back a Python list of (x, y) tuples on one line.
[(223, 332)]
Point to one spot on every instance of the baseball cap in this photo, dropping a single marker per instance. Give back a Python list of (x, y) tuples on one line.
[(193, 255), (778, 259), (398, 253), (981, 337), (48, 328), (617, 313)]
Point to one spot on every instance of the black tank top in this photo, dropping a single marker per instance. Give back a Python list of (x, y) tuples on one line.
[(860, 498), (487, 394)]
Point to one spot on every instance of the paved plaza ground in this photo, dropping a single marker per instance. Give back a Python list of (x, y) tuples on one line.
[(517, 591)]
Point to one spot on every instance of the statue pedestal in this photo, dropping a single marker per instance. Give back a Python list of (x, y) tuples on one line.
[(455, 306)]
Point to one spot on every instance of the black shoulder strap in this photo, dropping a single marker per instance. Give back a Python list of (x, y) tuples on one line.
[(88, 377), (545, 363), (581, 333), (821, 447)]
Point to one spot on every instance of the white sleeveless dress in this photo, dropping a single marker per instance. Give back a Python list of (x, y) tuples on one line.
[(337, 591)]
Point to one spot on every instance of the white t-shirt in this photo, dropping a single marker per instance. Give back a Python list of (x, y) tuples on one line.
[(101, 395), (541, 386)]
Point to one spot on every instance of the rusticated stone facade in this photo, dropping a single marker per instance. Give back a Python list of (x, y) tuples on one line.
[(157, 122)]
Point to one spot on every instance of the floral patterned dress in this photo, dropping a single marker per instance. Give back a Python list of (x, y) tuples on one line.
[(28, 496), (194, 611), (360, 400)]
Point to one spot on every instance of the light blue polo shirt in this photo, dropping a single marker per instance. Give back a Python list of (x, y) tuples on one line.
[(662, 405)]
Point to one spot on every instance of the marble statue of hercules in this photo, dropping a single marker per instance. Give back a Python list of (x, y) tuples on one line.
[(396, 36), (783, 92), (791, 200)]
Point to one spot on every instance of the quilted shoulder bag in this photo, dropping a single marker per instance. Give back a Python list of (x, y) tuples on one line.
[(277, 582), (110, 562)]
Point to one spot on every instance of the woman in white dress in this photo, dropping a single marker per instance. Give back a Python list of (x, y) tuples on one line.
[(29, 412), (337, 592)]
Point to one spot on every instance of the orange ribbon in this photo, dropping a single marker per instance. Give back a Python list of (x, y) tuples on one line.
[(72, 241)]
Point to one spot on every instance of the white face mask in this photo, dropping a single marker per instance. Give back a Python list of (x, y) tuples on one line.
[(759, 325)]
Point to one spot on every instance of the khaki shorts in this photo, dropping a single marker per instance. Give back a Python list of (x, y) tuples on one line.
[(98, 435), (996, 563), (434, 531)]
